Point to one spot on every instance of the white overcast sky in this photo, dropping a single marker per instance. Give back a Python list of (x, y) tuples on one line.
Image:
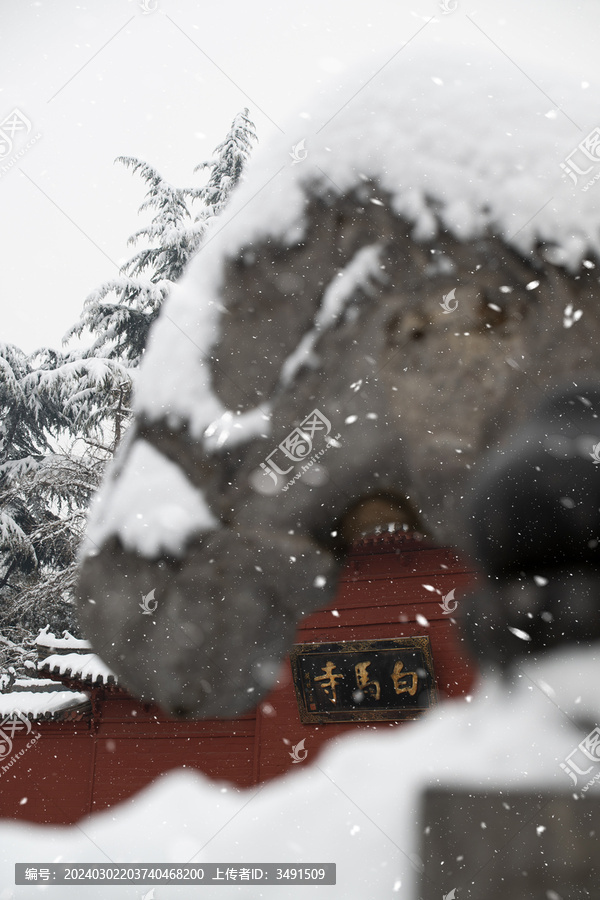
[(102, 79)]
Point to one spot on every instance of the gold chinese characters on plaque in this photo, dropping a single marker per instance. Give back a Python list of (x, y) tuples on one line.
[(361, 681)]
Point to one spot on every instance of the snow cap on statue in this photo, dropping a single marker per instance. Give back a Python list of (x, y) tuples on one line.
[(454, 139)]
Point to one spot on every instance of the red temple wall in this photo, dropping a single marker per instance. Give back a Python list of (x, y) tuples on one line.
[(89, 765)]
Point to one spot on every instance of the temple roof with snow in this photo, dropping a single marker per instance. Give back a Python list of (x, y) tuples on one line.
[(69, 658), (66, 671)]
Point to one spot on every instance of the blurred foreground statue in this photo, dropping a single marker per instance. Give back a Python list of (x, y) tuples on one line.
[(383, 300), (490, 796)]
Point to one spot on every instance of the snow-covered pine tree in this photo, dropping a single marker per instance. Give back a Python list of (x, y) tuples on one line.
[(92, 393), (23, 443), (121, 311), (121, 325), (61, 419), (227, 165), (63, 414), (44, 494)]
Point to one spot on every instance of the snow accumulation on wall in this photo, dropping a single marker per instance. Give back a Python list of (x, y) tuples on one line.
[(67, 642), (83, 666), (76, 664), (43, 698), (456, 140), (40, 703)]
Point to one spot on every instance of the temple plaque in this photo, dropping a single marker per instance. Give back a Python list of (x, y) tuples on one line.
[(362, 681)]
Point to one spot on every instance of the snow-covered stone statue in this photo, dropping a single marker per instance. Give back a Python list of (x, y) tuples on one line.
[(387, 294), (530, 728)]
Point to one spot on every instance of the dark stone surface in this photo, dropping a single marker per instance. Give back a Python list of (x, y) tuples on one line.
[(430, 392), (510, 856)]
